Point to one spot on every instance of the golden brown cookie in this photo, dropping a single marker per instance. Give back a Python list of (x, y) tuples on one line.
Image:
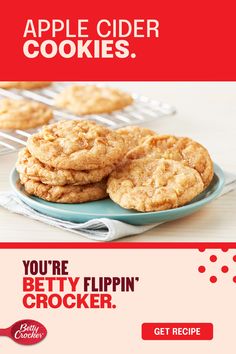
[(23, 114), (134, 135), (24, 84), (40, 172), (179, 149), (65, 194), (148, 184), (92, 99), (78, 145)]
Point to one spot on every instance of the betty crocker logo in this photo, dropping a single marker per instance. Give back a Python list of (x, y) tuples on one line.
[(25, 332)]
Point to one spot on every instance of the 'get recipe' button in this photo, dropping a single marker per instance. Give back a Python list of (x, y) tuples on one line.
[(177, 331)]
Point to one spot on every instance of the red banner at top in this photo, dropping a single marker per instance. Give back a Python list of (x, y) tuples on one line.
[(149, 40)]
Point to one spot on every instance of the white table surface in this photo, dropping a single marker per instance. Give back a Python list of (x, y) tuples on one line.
[(207, 113)]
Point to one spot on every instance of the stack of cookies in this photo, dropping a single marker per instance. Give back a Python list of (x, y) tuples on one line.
[(79, 161), (69, 161)]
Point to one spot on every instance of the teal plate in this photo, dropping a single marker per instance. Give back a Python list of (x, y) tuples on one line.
[(107, 209)]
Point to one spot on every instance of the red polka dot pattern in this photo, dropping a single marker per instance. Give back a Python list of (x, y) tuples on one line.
[(213, 258), (216, 268), (224, 269), (201, 269), (213, 279)]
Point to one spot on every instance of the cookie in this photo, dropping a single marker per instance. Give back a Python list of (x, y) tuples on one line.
[(40, 172), (148, 184), (23, 114), (65, 194), (90, 99), (179, 149), (24, 84), (78, 145), (134, 135)]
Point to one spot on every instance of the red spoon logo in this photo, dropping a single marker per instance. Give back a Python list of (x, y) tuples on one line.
[(25, 332)]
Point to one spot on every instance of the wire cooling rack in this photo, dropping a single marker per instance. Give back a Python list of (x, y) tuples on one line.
[(142, 110)]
